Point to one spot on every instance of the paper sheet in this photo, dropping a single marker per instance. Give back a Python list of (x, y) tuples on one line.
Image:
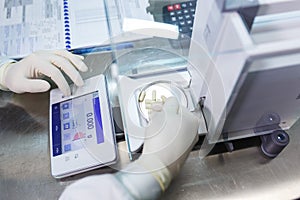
[(29, 25)]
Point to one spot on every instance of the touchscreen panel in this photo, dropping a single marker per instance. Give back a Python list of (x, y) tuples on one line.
[(76, 123)]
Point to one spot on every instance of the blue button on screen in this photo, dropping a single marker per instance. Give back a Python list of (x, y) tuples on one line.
[(67, 147), (66, 126), (66, 115), (65, 106)]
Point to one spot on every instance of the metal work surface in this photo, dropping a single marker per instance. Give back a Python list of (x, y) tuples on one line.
[(243, 174)]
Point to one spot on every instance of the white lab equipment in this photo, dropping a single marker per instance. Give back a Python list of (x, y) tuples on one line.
[(81, 129), (255, 53), (142, 93), (241, 66)]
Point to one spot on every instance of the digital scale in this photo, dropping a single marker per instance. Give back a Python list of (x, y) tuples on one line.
[(218, 76), (141, 96), (81, 129)]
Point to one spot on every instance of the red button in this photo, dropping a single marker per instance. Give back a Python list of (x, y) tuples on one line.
[(177, 7), (170, 8)]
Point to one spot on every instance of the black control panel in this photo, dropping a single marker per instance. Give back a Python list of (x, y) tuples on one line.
[(181, 14)]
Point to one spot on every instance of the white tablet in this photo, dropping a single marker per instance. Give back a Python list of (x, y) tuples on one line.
[(81, 129)]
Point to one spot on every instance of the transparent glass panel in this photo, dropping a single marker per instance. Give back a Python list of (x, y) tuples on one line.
[(245, 82), (153, 61), (266, 99), (243, 74)]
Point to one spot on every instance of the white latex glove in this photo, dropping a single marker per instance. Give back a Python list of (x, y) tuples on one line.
[(171, 135), (99, 187), (24, 76)]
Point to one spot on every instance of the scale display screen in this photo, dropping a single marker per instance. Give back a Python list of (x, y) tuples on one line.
[(75, 123)]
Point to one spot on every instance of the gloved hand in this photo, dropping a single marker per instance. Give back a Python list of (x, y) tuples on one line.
[(171, 135), (24, 76), (169, 138)]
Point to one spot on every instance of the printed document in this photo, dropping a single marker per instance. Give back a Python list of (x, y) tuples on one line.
[(30, 25)]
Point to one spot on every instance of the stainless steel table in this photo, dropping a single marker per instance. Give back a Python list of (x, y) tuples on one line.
[(243, 174)]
